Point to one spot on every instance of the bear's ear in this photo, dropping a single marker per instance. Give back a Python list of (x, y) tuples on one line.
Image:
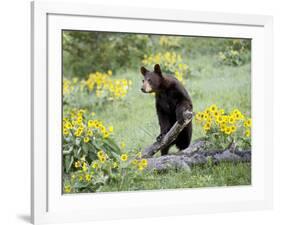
[(157, 69), (143, 70)]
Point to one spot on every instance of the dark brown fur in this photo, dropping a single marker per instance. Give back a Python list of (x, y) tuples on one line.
[(172, 99)]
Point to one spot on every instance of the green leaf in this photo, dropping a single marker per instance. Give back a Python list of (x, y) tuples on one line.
[(68, 160), (112, 145), (78, 141), (75, 152), (79, 150), (92, 148), (96, 145), (80, 185), (92, 156), (115, 155), (85, 149)]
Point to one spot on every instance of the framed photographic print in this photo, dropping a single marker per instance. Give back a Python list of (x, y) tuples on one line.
[(135, 114)]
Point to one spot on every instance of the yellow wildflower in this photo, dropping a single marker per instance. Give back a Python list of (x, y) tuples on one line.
[(102, 129), (105, 134), (227, 130), (225, 118), (85, 167), (216, 113), (110, 129), (122, 145), (95, 165), (102, 159), (236, 116), (78, 132), (135, 162), (86, 139), (97, 123), (233, 128), (206, 116), (139, 154), (115, 165), (219, 119), (207, 126), (213, 108), (100, 153), (81, 112), (90, 133), (143, 162), (91, 123), (65, 131), (236, 111), (77, 164), (68, 125), (124, 157), (222, 126), (198, 116), (208, 112), (67, 188), (248, 133), (140, 167), (231, 119), (88, 177), (79, 120), (248, 123)]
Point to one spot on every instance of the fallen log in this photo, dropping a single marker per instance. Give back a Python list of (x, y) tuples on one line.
[(196, 155)]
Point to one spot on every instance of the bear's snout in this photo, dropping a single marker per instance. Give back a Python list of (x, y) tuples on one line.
[(146, 87)]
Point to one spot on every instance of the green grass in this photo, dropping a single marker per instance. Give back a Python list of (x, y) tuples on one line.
[(225, 174), (135, 122)]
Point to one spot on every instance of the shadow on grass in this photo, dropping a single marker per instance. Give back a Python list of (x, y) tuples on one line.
[(25, 218)]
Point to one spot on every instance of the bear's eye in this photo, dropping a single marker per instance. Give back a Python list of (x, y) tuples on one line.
[(149, 80), (142, 80)]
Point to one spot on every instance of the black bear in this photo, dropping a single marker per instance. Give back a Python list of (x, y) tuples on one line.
[(172, 99)]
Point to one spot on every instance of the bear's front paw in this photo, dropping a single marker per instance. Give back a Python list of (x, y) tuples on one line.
[(159, 138)]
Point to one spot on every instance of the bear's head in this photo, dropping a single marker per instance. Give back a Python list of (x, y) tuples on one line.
[(152, 80)]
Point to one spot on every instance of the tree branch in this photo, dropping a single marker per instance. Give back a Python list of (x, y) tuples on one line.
[(169, 137)]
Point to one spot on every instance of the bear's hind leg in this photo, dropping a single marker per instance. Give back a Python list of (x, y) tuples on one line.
[(164, 151), (184, 138)]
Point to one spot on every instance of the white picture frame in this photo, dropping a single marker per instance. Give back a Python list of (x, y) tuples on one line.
[(48, 205)]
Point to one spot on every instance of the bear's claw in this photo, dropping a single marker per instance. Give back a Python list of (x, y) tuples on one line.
[(160, 137)]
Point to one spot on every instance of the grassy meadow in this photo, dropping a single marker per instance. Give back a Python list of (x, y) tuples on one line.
[(136, 126)]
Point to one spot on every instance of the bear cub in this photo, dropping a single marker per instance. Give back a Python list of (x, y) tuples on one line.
[(171, 100)]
